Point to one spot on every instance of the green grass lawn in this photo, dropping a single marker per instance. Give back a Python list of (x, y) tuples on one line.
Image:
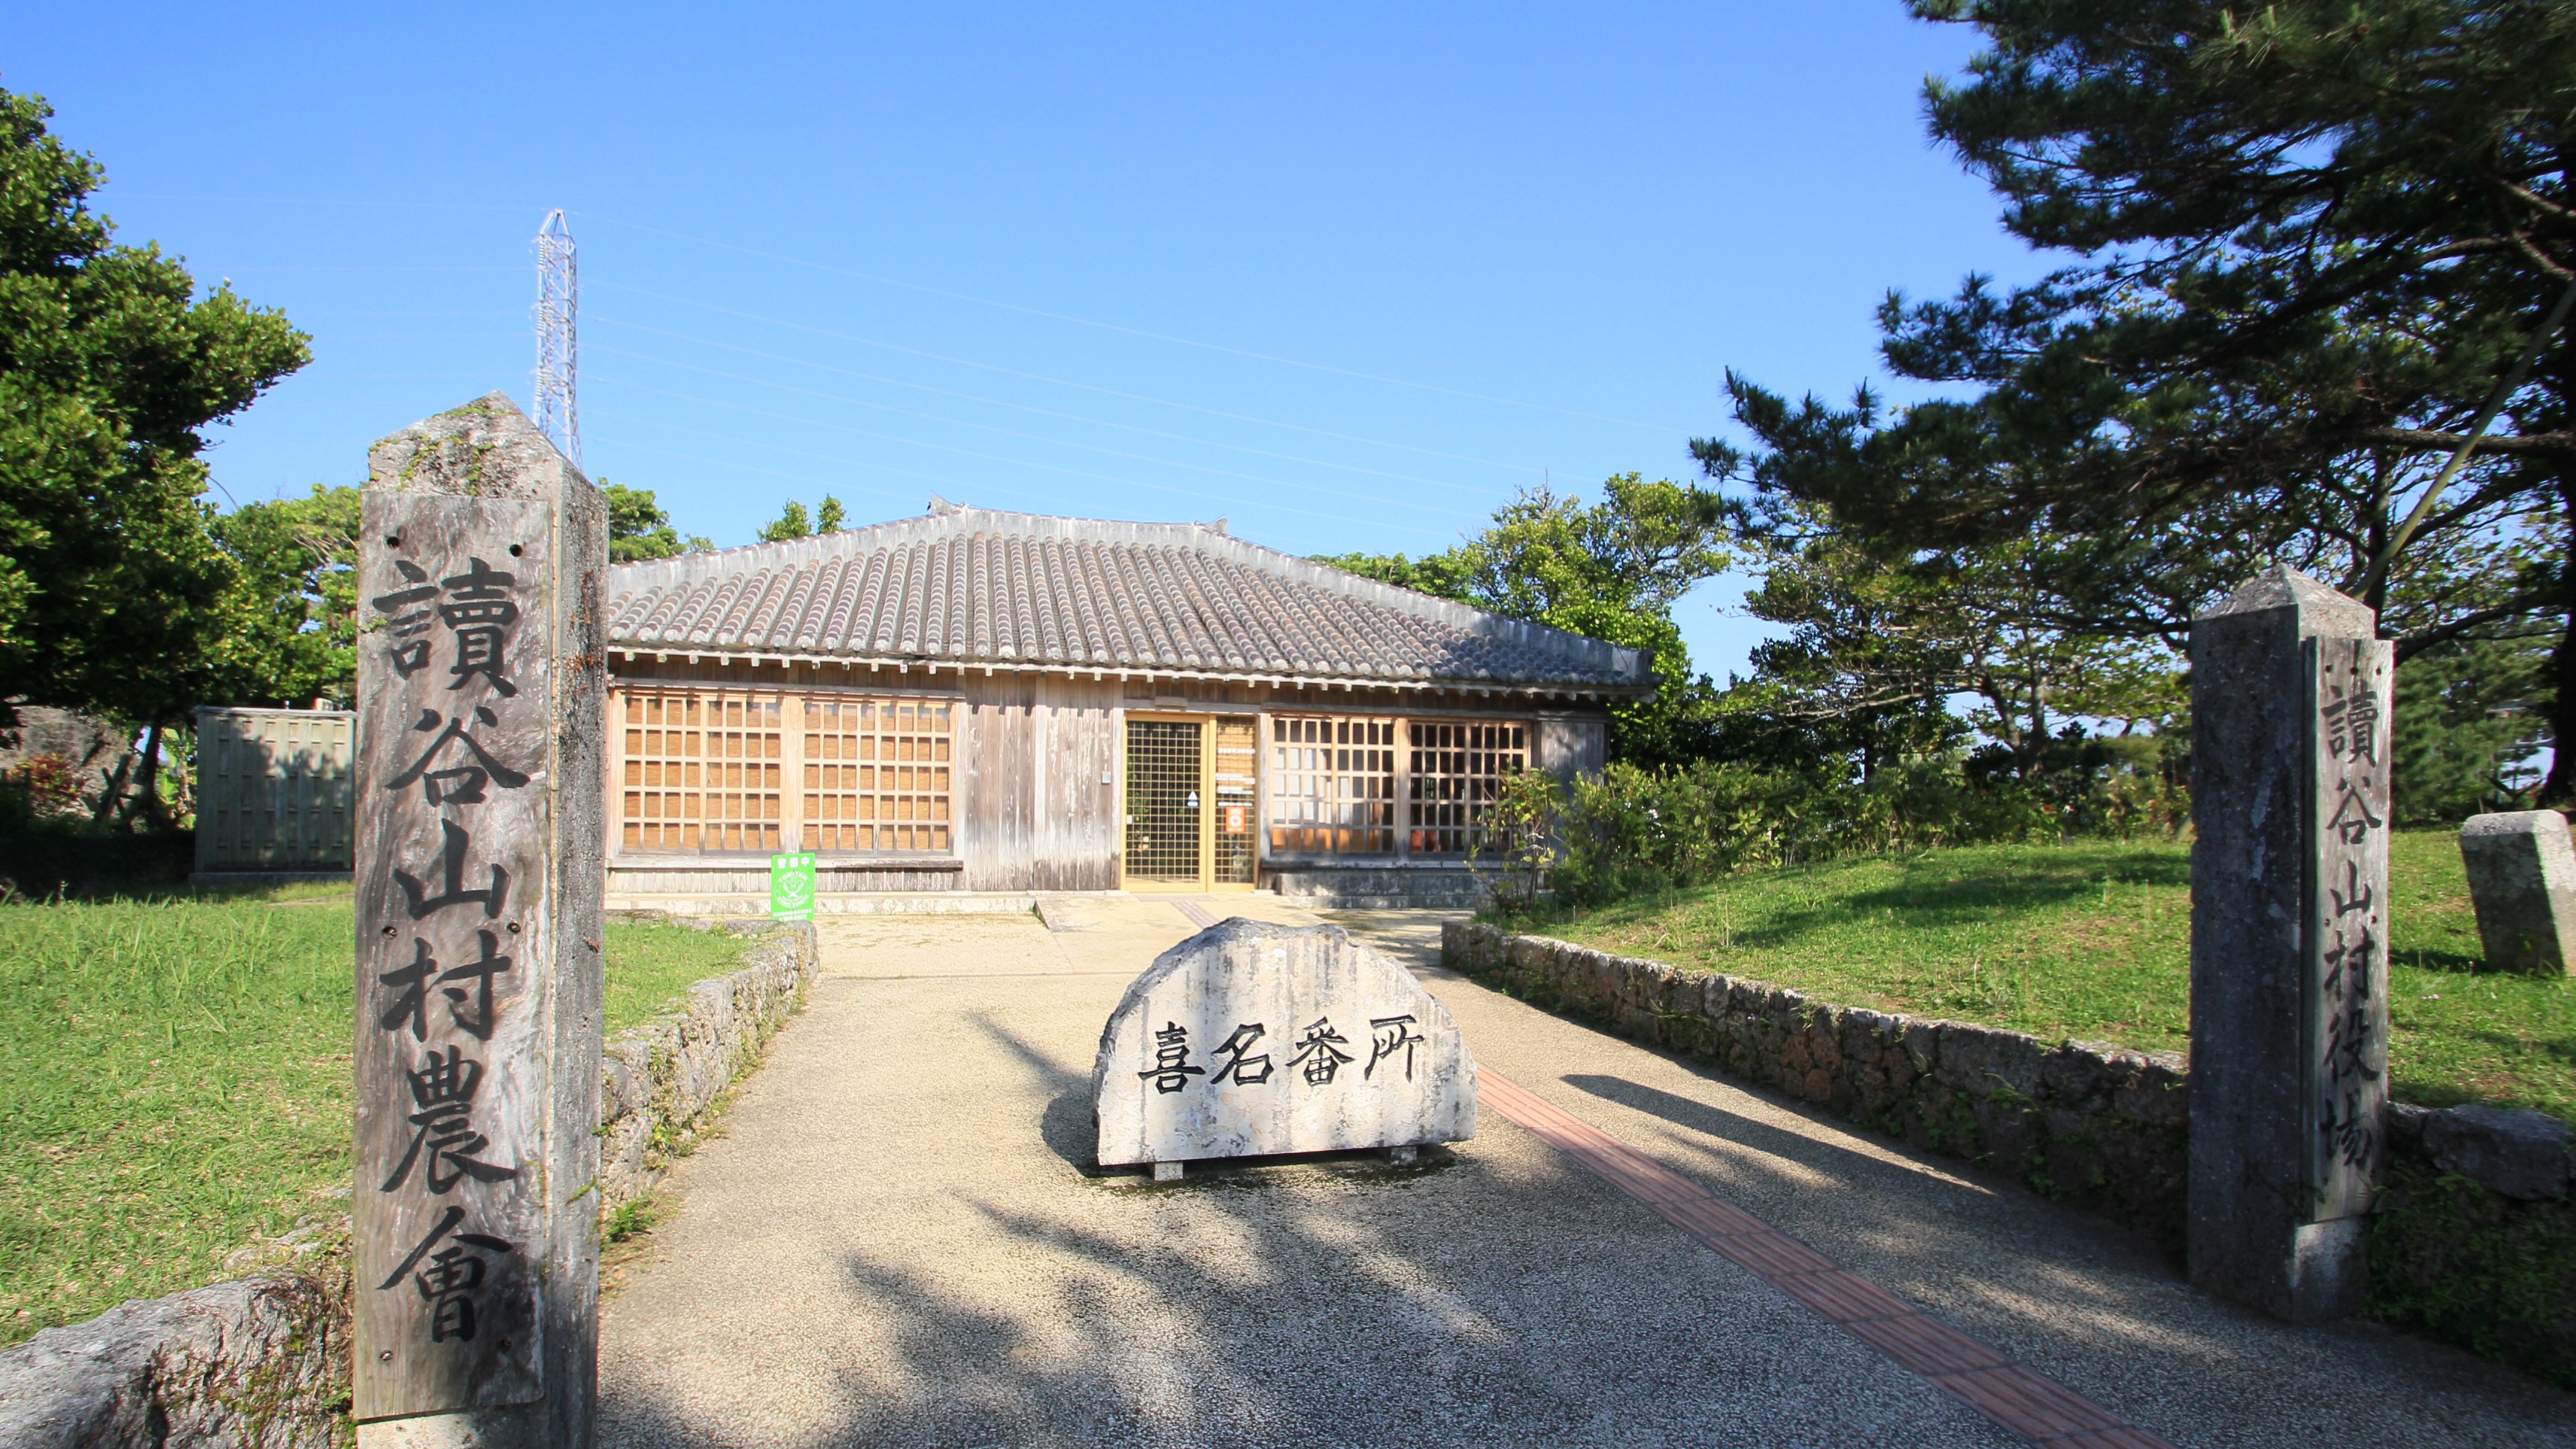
[(174, 1082), (650, 967), (2092, 939)]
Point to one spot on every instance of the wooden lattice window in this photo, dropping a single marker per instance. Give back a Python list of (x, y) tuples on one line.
[(1332, 785), (1454, 773), (703, 770), (877, 774)]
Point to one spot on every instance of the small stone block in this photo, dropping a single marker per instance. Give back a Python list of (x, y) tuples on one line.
[(1169, 1171), (1403, 1156), (2515, 1151), (2522, 880)]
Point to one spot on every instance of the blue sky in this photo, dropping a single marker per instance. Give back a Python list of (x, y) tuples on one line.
[(1346, 275)]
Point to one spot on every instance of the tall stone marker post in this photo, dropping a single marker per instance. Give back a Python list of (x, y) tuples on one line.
[(480, 864), (2289, 932)]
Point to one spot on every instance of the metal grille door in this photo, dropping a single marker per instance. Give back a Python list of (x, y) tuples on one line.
[(1163, 805), (273, 788)]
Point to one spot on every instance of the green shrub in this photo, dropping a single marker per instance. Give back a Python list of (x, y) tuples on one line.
[(2457, 1261), (1631, 830)]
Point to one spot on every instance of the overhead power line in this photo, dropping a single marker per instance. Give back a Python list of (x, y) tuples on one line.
[(832, 485), (1378, 498), (927, 290), (1134, 331), (229, 271), (1003, 403), (996, 368), (1235, 500)]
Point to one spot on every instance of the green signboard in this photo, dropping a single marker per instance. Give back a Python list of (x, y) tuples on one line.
[(791, 887)]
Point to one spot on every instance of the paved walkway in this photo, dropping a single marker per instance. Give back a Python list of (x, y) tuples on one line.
[(901, 1241)]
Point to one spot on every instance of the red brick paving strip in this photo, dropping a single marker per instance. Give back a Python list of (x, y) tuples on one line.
[(2024, 1403)]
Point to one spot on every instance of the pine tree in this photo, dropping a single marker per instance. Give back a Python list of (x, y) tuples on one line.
[(2312, 242)]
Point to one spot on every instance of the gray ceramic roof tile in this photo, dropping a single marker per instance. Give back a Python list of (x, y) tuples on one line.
[(968, 586)]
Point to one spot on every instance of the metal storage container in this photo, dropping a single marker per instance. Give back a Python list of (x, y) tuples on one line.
[(274, 788)]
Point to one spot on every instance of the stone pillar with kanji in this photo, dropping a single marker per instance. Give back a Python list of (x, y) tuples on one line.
[(480, 866), (2289, 944)]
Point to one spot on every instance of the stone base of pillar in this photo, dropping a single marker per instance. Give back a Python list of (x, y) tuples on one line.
[(520, 1427)]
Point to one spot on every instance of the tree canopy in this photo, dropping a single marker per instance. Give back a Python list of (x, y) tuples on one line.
[(1611, 570), (290, 619), (2316, 247), (112, 365), (287, 622), (639, 529), (794, 522)]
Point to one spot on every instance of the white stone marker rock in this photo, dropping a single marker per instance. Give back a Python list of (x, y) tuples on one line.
[(1250, 1039), (2522, 879)]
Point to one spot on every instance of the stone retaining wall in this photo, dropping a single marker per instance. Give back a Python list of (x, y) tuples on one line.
[(262, 1362), (2093, 1124), (2475, 1240), (258, 1361), (660, 1080)]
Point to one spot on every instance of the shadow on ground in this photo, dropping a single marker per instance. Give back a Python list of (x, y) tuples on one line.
[(842, 1285), (1501, 1299)]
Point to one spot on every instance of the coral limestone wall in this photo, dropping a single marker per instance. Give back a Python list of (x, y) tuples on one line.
[(660, 1081), (263, 1362), (2092, 1123), (2474, 1239)]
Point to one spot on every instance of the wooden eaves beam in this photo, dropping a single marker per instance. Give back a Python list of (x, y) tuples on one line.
[(1348, 683)]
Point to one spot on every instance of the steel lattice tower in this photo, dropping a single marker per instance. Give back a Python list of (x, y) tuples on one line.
[(558, 338)]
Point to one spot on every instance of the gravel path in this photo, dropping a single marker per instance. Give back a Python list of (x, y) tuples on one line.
[(900, 1242)]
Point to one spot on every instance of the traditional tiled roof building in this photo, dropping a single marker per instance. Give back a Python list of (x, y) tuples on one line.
[(987, 701)]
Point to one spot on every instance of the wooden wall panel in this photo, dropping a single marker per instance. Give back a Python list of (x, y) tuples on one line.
[(1030, 809), (1570, 746), (722, 878), (1075, 831), (998, 746)]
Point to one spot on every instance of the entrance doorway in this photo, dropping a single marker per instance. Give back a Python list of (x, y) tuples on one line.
[(1193, 803)]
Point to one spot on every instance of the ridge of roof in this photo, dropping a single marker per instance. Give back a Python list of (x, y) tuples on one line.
[(948, 521)]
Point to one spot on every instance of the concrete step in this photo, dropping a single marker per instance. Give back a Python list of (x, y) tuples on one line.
[(847, 903)]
